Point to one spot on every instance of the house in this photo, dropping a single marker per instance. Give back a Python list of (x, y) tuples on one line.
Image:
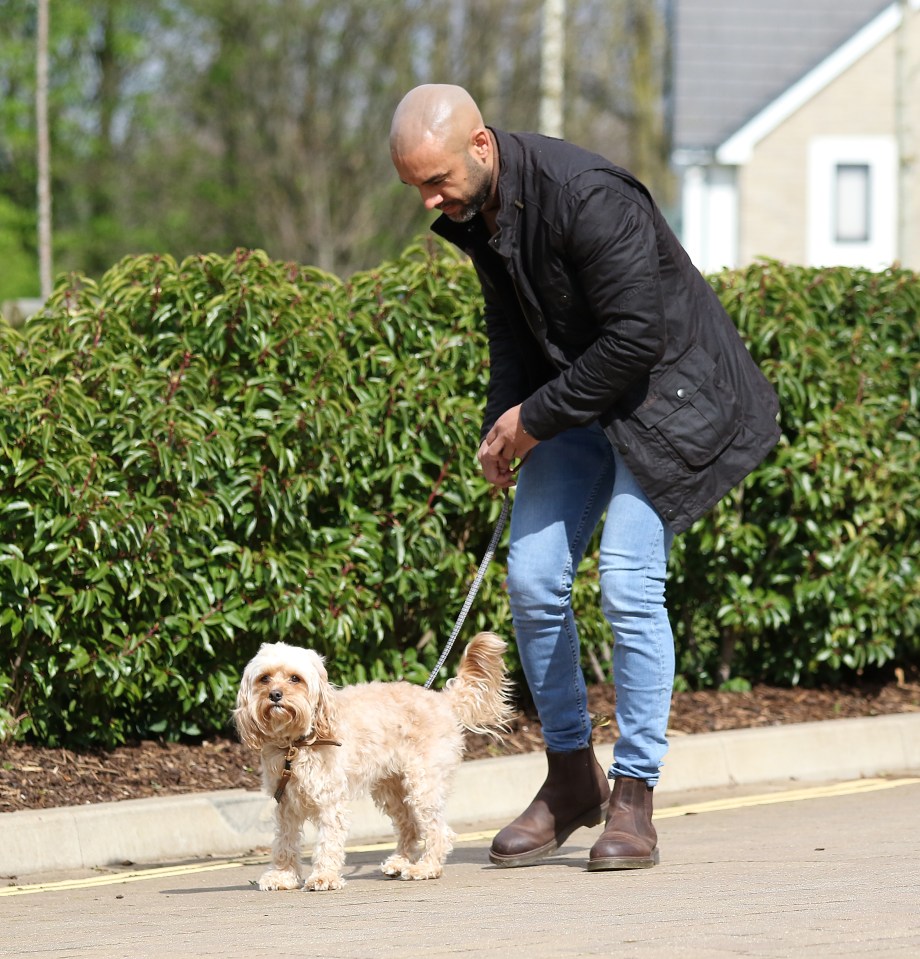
[(796, 131)]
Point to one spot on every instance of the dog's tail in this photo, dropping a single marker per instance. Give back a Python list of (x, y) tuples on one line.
[(480, 693)]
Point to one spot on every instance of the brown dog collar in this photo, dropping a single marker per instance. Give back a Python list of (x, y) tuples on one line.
[(305, 742)]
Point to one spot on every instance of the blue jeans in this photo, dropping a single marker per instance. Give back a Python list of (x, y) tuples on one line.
[(564, 488)]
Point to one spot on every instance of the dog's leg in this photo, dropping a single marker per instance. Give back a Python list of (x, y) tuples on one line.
[(439, 841), (427, 799), (390, 796), (285, 869), (329, 852)]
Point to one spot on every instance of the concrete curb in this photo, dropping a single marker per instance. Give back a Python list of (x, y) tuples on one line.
[(486, 792)]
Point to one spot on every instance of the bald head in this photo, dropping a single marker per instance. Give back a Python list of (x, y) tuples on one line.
[(440, 146), (435, 114)]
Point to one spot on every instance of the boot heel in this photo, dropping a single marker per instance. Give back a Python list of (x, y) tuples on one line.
[(623, 862), (593, 818)]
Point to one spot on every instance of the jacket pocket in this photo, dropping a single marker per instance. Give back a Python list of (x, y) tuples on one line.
[(694, 408)]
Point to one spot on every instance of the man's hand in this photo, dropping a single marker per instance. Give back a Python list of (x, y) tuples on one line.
[(505, 443)]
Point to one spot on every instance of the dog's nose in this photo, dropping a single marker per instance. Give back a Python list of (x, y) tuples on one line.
[(275, 695)]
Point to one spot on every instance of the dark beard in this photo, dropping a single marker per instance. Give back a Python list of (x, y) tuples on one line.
[(477, 200)]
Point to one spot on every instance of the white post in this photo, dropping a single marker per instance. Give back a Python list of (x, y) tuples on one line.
[(552, 70), (905, 72)]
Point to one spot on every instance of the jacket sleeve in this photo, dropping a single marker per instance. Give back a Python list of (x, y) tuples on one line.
[(606, 244)]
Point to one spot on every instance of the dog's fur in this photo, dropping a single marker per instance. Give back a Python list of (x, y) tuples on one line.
[(400, 743)]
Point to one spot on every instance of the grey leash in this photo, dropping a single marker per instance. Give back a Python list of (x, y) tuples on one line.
[(474, 589)]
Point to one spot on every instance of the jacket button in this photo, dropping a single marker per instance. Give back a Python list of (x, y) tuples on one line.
[(681, 393), (623, 448), (669, 514)]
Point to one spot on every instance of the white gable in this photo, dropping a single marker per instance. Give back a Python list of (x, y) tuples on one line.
[(737, 149)]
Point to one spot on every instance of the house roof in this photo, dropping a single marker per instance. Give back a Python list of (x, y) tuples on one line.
[(734, 58)]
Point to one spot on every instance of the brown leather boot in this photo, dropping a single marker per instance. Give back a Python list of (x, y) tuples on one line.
[(629, 840), (574, 794)]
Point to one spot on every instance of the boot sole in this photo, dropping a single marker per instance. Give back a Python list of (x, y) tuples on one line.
[(593, 818), (623, 862)]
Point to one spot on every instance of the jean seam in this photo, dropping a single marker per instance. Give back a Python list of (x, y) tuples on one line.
[(658, 543), (656, 637), (568, 618)]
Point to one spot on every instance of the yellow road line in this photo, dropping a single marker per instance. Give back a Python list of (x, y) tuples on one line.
[(111, 879), (790, 795), (719, 805)]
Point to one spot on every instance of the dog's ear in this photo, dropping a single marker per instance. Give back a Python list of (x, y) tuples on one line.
[(324, 714), (244, 716)]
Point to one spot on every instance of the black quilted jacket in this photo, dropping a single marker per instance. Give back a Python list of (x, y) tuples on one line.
[(595, 313)]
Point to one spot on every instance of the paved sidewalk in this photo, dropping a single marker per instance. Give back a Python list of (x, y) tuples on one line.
[(234, 822), (822, 872)]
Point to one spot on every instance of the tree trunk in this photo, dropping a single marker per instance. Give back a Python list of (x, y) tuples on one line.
[(44, 152), (552, 68)]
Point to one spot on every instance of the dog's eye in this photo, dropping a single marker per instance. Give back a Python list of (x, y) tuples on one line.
[(265, 678), (295, 679)]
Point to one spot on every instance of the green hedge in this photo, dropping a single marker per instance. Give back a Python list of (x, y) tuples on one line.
[(811, 570), (203, 456)]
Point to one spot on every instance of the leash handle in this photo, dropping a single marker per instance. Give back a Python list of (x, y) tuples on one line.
[(474, 589)]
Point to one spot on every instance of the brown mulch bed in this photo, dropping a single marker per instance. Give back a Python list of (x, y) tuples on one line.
[(33, 777)]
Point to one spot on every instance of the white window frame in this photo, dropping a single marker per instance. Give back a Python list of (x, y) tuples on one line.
[(825, 156)]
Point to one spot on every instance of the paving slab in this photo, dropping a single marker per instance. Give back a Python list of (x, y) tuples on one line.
[(233, 822)]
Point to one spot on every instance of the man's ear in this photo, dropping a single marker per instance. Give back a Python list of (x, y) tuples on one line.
[(481, 143)]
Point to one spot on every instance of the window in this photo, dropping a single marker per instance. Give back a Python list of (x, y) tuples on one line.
[(852, 211), (852, 201)]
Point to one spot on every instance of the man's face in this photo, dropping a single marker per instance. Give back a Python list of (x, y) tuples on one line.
[(457, 184)]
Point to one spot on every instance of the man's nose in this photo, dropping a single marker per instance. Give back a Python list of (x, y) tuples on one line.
[(276, 695), (431, 198)]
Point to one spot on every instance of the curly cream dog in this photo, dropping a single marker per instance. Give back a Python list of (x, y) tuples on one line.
[(322, 746)]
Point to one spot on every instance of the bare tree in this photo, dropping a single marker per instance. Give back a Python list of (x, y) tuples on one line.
[(552, 68), (648, 130), (190, 125)]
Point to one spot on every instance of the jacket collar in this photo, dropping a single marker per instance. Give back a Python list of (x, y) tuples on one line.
[(510, 201), (510, 190)]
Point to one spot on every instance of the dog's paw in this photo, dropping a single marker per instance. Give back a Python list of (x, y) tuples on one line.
[(274, 879), (421, 870), (394, 866), (323, 882)]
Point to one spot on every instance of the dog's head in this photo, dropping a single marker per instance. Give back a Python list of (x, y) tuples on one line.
[(284, 694)]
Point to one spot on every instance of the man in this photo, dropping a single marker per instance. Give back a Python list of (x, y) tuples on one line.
[(621, 387)]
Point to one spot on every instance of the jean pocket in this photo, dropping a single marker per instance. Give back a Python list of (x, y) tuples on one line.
[(694, 408)]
